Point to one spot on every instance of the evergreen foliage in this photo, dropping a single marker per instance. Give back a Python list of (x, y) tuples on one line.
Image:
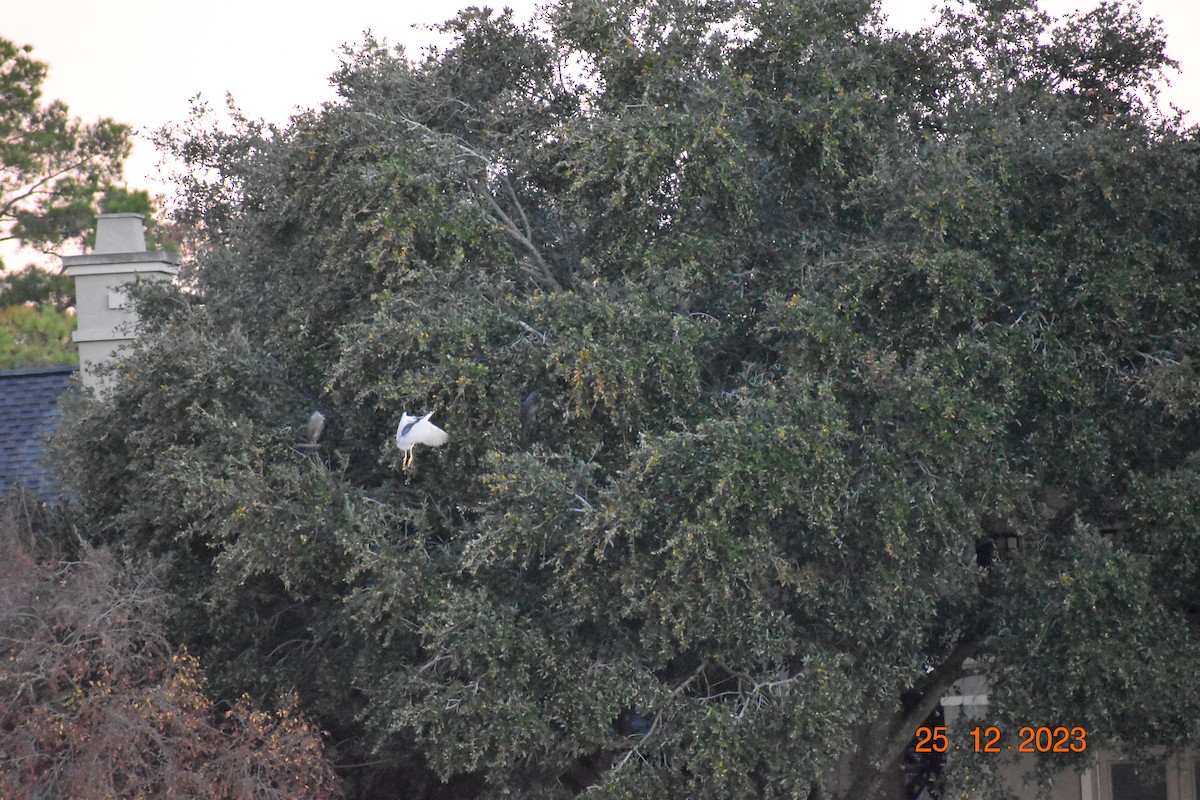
[(36, 336), (38, 287), (53, 167), (756, 327)]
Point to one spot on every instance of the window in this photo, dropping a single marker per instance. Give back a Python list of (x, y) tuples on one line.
[(1134, 782), (1114, 778)]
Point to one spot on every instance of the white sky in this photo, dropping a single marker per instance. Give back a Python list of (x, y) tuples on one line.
[(139, 61)]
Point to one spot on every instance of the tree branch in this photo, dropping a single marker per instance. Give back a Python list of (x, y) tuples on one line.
[(542, 273), (33, 188), (931, 689)]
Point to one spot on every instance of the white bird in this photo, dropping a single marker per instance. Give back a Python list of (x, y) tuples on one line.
[(413, 431), (316, 424)]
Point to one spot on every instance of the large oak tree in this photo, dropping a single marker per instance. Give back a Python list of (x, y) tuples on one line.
[(761, 333)]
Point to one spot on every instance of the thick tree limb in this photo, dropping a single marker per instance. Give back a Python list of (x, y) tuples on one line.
[(889, 747), (539, 270)]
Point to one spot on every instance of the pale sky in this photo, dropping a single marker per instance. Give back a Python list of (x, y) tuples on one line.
[(139, 61)]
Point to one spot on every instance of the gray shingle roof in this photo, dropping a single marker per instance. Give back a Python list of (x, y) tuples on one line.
[(28, 414)]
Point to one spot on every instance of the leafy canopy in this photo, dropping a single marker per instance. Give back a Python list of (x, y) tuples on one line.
[(52, 167), (760, 330), (31, 336)]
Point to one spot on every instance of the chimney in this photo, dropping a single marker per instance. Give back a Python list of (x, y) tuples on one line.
[(103, 315)]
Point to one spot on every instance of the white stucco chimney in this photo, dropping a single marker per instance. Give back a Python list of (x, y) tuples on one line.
[(103, 315)]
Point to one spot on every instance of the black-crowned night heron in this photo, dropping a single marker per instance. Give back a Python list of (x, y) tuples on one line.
[(413, 431), (316, 424)]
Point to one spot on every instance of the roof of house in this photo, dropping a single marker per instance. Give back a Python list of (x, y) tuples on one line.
[(28, 414)]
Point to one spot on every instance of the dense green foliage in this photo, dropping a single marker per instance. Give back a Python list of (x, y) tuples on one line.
[(754, 327), (36, 336), (36, 319), (39, 287)]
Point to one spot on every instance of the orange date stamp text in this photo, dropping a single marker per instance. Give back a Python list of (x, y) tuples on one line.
[(1030, 739)]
